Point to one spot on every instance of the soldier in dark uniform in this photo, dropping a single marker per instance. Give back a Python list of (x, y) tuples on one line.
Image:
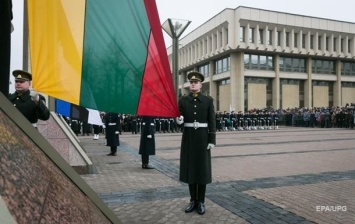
[(31, 104), (134, 124), (147, 142), (199, 136), (112, 122)]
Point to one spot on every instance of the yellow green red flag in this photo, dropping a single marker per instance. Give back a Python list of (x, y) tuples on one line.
[(105, 55)]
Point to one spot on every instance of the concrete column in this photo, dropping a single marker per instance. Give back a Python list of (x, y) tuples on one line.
[(274, 37), (299, 40), (324, 43), (292, 40), (331, 44), (337, 85), (345, 45), (276, 84), (315, 42), (308, 41), (246, 34), (308, 85), (283, 39), (237, 80), (213, 84), (266, 38)]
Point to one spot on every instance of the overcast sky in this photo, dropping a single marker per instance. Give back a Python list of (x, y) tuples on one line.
[(199, 11)]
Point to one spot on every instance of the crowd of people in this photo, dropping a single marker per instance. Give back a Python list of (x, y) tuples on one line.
[(255, 119)]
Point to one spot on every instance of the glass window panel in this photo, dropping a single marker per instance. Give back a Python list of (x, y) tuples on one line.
[(247, 61), (347, 68), (254, 61), (288, 64), (302, 65), (263, 64), (270, 62)]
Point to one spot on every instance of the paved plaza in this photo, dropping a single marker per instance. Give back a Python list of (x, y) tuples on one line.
[(290, 175)]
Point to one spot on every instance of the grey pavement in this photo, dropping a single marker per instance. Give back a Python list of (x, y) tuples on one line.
[(290, 175)]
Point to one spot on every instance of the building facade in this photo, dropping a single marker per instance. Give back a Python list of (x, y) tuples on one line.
[(255, 58)]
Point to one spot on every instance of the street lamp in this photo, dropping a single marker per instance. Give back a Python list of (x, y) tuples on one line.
[(175, 27)]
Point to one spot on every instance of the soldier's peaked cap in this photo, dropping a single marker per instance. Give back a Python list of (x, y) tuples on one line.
[(22, 75), (195, 76)]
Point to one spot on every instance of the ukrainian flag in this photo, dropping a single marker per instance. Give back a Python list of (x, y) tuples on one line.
[(107, 55)]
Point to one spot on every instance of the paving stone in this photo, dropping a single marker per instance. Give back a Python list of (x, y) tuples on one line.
[(275, 176)]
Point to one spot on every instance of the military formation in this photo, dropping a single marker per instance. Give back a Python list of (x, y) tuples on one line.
[(256, 119)]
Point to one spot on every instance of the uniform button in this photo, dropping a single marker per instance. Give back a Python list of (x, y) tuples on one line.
[(194, 112), (14, 105), (195, 106), (194, 99)]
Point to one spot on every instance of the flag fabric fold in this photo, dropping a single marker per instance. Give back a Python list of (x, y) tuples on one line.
[(103, 55)]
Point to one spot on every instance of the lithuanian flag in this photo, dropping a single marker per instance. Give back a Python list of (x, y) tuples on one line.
[(107, 55)]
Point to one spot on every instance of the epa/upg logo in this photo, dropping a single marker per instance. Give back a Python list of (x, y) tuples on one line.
[(331, 208)]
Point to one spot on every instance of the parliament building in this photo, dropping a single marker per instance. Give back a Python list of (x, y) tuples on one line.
[(255, 58)]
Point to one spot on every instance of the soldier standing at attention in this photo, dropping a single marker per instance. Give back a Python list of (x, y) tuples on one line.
[(31, 104), (112, 122), (147, 142), (199, 136)]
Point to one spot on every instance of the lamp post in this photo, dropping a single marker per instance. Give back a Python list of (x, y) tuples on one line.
[(174, 28)]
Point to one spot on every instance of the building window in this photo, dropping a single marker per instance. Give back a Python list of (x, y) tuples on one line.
[(292, 64), (222, 65), (335, 44), (323, 67), (261, 36), (295, 40), (319, 42), (341, 45), (269, 34), (251, 35), (268, 93), (287, 39), (258, 62), (303, 40), (278, 41), (242, 34), (311, 42), (327, 43), (224, 82), (204, 70), (348, 68), (349, 45)]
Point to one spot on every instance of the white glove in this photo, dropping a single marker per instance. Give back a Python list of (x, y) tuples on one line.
[(116, 132), (149, 136), (180, 120), (210, 146), (34, 95)]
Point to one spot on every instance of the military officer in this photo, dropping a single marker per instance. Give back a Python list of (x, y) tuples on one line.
[(197, 113), (31, 104)]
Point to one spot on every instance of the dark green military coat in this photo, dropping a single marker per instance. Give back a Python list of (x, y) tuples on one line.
[(147, 145), (28, 108), (195, 159)]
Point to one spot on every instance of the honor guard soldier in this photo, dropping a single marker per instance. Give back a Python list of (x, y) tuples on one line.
[(198, 138), (112, 122), (30, 103), (147, 141)]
